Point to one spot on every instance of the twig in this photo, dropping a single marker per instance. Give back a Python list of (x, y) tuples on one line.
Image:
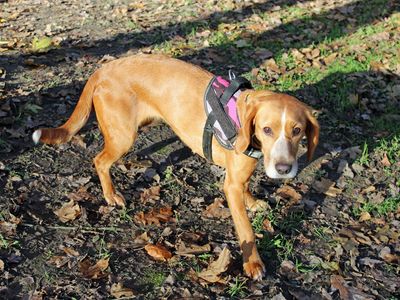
[(83, 229)]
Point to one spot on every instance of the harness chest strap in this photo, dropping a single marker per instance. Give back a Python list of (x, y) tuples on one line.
[(224, 125)]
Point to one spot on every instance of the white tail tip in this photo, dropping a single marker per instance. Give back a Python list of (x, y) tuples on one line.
[(36, 136)]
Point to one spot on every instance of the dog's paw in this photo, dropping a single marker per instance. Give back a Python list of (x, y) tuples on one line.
[(255, 269), (257, 205), (116, 199)]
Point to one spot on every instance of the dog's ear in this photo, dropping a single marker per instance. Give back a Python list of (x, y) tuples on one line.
[(247, 112), (312, 133)]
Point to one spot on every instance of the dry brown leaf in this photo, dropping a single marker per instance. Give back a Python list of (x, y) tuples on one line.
[(315, 53), (191, 249), (70, 251), (96, 271), (364, 216), (150, 194), (290, 193), (385, 160), (338, 282), (270, 64), (330, 58), (58, 261), (68, 212), (217, 210), (78, 140), (388, 257), (106, 209), (118, 291), (141, 240), (214, 270), (326, 187), (158, 252), (81, 194), (369, 189), (155, 216), (267, 225), (297, 54), (9, 228), (1, 265)]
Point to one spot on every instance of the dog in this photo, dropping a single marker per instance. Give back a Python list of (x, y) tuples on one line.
[(131, 92)]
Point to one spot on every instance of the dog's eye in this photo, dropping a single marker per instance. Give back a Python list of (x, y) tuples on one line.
[(296, 131), (268, 130)]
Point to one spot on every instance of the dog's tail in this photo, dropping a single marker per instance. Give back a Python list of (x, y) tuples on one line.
[(78, 118)]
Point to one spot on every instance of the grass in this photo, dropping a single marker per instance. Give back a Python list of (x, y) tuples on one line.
[(237, 289), (279, 244), (386, 207), (153, 278), (364, 158), (390, 146), (6, 244)]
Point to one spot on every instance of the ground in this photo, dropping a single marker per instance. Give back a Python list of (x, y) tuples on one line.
[(330, 233)]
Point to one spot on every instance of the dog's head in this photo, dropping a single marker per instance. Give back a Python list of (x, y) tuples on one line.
[(277, 123)]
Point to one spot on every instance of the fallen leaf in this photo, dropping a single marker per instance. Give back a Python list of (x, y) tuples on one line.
[(214, 270), (68, 212), (106, 209), (354, 99), (385, 160), (267, 225), (81, 194), (330, 58), (93, 272), (338, 283), (150, 194), (270, 64), (1, 265), (118, 291), (347, 292), (78, 141), (155, 216), (41, 44), (388, 257), (217, 210), (158, 252), (290, 193), (364, 216), (191, 249), (369, 189), (106, 58), (70, 251), (58, 261), (141, 240), (297, 54), (9, 228), (326, 187)]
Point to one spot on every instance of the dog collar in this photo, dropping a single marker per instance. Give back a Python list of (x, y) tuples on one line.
[(222, 117)]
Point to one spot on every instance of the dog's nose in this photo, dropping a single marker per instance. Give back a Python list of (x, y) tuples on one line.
[(283, 169)]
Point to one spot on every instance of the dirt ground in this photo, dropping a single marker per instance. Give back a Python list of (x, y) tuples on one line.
[(330, 233)]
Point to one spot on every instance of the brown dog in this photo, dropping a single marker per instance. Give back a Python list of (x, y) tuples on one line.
[(131, 92)]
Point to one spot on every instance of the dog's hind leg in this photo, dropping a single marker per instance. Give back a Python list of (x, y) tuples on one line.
[(117, 121)]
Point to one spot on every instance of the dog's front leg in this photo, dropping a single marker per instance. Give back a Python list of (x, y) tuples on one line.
[(238, 172)]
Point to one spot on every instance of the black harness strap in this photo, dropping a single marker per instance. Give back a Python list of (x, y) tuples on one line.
[(207, 137), (236, 84), (218, 113)]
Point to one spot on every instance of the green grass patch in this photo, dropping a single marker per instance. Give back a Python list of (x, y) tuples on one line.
[(153, 278), (389, 205), (238, 288), (391, 146)]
